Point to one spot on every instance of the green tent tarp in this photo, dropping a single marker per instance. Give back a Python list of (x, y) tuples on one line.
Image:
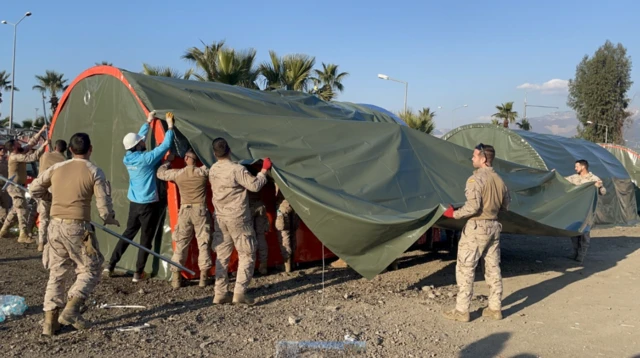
[(630, 159), (367, 190), (544, 151)]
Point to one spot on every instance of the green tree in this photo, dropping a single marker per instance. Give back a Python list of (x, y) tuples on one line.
[(598, 94), (218, 63), (495, 121), (328, 81), (4, 123), (5, 83), (506, 114), (421, 121), (524, 124), (165, 72), (27, 123), (39, 122), (290, 72), (53, 83)]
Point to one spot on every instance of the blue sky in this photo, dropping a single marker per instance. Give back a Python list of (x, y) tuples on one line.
[(453, 53)]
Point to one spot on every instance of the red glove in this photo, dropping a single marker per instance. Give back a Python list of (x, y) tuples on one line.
[(266, 164), (449, 212)]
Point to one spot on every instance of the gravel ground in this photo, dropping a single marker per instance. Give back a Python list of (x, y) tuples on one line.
[(553, 307)]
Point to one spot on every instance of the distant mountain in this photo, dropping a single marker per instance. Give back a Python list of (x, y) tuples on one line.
[(558, 123)]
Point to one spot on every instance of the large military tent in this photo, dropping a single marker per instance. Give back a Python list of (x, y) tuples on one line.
[(544, 151), (630, 159), (367, 187)]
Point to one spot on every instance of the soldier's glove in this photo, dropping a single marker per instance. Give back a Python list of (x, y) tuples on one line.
[(449, 212), (88, 244), (111, 220), (170, 120), (266, 164), (151, 116)]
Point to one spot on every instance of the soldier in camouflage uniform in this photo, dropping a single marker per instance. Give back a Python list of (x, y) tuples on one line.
[(233, 225), (72, 245), (5, 199), (261, 227), (18, 167), (287, 224), (486, 195), (44, 206), (193, 216), (582, 176)]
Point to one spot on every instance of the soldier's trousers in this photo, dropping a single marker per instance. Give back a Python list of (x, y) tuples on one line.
[(228, 234), (261, 226), (44, 208), (19, 209), (193, 218), (287, 225), (581, 245), (479, 238), (5, 205), (72, 245)]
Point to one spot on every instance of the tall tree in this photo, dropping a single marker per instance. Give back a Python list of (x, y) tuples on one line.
[(165, 72), (27, 123), (53, 83), (290, 72), (39, 122), (205, 60), (495, 121), (5, 83), (525, 125), (506, 114), (5, 123), (328, 81), (422, 121), (218, 63), (598, 94)]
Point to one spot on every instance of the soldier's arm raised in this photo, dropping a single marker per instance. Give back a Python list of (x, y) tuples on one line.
[(166, 174), (39, 188), (248, 181), (474, 197)]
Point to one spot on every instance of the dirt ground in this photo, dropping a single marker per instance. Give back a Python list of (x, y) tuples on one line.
[(553, 308)]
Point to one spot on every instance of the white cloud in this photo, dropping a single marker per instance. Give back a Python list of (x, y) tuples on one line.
[(553, 86)]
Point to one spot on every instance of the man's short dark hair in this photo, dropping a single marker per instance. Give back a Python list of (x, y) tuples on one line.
[(488, 152), (61, 146), (80, 143), (8, 145), (220, 147), (584, 163)]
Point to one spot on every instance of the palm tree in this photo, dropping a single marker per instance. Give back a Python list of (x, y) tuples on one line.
[(53, 82), (205, 60), (329, 80), (495, 121), (218, 63), (506, 114), (524, 125), (291, 72), (104, 63), (5, 83), (165, 72), (422, 121)]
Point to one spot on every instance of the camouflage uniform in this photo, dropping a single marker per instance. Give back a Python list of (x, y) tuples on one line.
[(44, 206), (18, 167), (5, 199), (286, 223), (233, 226), (193, 215), (486, 195), (72, 243), (581, 243), (261, 227)]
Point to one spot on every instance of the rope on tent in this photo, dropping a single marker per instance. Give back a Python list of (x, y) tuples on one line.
[(322, 299)]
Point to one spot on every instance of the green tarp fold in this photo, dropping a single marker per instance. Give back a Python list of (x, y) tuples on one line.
[(367, 190)]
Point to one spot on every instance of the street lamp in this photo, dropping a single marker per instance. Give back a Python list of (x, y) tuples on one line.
[(13, 66), (606, 130), (453, 116), (406, 87)]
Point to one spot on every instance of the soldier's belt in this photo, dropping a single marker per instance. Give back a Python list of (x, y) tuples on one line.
[(71, 221), (191, 205)]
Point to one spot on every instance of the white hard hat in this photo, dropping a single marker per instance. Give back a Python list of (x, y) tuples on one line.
[(131, 140)]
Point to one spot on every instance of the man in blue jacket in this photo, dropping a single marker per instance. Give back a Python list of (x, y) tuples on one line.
[(145, 208)]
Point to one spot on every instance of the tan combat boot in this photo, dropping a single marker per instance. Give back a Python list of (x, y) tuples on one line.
[(288, 263), (221, 299), (456, 315), (71, 314), (492, 314), (25, 239), (262, 268), (4, 232), (204, 279), (40, 247), (51, 325), (243, 299), (176, 280)]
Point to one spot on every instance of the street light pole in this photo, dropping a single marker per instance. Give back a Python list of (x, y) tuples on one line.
[(453, 116), (606, 130), (406, 87), (13, 66)]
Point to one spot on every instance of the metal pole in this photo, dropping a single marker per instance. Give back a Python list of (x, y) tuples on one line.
[(113, 233), (13, 75), (44, 109), (406, 91), (606, 134)]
